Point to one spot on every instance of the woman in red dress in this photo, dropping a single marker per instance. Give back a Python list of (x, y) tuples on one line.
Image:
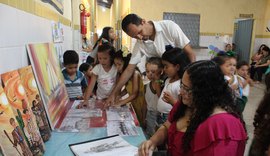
[(205, 121)]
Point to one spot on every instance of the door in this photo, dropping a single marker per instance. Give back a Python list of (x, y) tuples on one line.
[(243, 37)]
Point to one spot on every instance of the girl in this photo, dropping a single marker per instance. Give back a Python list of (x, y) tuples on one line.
[(228, 67), (174, 61), (108, 36), (86, 69), (103, 73), (242, 71), (134, 87)]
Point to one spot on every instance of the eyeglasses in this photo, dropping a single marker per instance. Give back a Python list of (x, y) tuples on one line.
[(185, 89)]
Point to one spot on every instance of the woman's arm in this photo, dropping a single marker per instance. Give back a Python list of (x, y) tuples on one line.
[(263, 65), (158, 138)]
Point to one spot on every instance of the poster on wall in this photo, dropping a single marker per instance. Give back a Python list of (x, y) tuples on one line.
[(57, 32), (59, 54), (50, 80), (57, 4), (18, 101), (37, 106)]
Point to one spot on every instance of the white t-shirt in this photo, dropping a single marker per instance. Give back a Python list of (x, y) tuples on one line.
[(236, 79), (167, 33), (105, 80), (150, 98), (246, 89), (173, 89)]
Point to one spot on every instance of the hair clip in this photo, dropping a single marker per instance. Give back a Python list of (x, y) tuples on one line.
[(125, 51), (230, 53)]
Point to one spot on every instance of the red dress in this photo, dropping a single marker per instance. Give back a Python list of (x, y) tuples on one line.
[(219, 135)]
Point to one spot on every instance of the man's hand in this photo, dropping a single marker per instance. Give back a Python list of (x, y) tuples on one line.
[(110, 101)]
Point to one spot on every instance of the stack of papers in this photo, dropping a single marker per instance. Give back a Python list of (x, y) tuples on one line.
[(113, 145), (120, 121)]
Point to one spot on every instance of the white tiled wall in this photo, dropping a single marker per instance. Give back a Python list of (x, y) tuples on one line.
[(259, 42), (217, 41), (18, 28)]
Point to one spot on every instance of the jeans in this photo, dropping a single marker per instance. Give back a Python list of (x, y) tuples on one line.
[(151, 118)]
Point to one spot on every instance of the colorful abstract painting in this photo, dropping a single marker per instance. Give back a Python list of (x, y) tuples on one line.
[(18, 101), (13, 141), (36, 104), (50, 80)]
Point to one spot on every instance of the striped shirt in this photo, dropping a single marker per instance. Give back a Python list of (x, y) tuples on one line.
[(74, 87)]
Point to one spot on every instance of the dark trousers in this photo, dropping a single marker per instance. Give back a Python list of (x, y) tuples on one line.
[(252, 70), (259, 71)]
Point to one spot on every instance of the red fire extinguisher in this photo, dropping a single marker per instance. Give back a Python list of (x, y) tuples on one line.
[(83, 19)]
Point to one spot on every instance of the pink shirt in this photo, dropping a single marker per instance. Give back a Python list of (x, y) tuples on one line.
[(219, 135)]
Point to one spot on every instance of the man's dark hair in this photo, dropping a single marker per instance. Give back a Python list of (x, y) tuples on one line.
[(70, 57), (131, 19)]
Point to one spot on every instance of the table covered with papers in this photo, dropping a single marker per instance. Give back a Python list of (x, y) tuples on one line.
[(93, 123)]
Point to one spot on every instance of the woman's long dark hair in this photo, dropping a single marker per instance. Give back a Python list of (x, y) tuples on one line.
[(259, 50), (105, 35), (209, 90), (262, 127)]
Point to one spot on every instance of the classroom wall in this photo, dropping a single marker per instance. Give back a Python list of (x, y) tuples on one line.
[(103, 18), (264, 38), (217, 17), (29, 22)]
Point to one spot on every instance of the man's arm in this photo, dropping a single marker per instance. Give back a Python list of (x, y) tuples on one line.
[(126, 75), (191, 55), (181, 40)]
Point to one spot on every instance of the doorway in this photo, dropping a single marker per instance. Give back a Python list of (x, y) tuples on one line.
[(242, 38)]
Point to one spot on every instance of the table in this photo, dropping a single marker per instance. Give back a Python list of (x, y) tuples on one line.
[(59, 141)]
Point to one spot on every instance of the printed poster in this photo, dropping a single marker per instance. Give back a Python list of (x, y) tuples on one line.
[(36, 104), (18, 126)]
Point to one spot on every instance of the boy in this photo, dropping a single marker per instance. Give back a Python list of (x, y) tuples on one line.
[(86, 69), (153, 89), (74, 80)]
